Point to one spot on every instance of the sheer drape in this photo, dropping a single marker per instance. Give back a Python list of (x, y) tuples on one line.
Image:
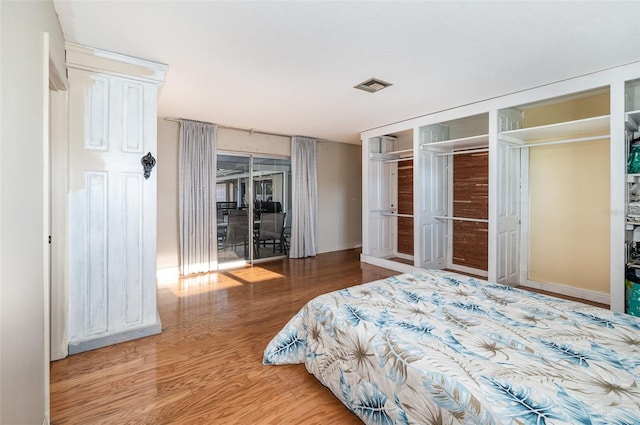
[(197, 197), (304, 221)]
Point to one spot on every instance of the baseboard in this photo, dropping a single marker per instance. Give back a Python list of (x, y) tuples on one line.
[(388, 264), (104, 340), (403, 256), (583, 294), (468, 270)]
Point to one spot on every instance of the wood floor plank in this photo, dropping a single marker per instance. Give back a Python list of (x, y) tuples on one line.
[(206, 365)]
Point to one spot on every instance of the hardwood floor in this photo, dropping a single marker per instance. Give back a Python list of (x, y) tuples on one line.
[(206, 365)]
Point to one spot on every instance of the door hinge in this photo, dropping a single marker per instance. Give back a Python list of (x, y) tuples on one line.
[(49, 239)]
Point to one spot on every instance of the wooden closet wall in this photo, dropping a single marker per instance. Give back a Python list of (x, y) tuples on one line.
[(405, 206), (471, 199)]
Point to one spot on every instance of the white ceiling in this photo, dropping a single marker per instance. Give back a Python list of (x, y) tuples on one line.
[(290, 66)]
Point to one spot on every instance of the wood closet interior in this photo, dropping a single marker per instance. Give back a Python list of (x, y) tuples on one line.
[(470, 239), (405, 207)]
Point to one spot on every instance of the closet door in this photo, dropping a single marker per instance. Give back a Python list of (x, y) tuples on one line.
[(433, 232), (509, 219), (112, 210)]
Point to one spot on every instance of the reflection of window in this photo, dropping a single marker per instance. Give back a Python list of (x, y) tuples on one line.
[(225, 192), (221, 192), (263, 189)]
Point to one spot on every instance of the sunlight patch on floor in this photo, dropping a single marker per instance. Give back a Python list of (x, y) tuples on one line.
[(234, 274), (254, 274)]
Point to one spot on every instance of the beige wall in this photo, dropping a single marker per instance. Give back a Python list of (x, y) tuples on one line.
[(569, 194), (167, 166), (23, 75), (339, 196), (339, 187)]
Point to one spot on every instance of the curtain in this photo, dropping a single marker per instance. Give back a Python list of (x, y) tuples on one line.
[(197, 197), (304, 220)]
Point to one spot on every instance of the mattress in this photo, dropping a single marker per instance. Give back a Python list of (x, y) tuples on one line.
[(439, 347)]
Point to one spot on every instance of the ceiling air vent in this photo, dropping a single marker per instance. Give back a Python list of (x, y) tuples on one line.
[(372, 85)]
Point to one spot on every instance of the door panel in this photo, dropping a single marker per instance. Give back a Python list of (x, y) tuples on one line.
[(112, 208), (434, 203), (508, 249)]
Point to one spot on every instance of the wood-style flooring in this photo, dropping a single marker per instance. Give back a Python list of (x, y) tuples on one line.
[(206, 365)]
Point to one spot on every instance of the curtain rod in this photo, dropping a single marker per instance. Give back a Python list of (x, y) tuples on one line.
[(247, 130)]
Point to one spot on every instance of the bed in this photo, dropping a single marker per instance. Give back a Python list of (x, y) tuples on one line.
[(436, 347)]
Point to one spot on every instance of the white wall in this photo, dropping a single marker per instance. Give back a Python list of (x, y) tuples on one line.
[(23, 358), (339, 187)]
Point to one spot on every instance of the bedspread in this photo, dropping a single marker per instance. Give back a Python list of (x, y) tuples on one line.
[(439, 347)]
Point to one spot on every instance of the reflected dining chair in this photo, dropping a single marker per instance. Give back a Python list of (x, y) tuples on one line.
[(270, 230), (237, 230)]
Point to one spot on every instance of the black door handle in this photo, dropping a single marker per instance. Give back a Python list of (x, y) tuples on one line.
[(148, 162)]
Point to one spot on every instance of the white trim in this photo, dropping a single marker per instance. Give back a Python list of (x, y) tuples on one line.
[(46, 216), (618, 167), (463, 152), (557, 288), (560, 142), (548, 91), (388, 264), (403, 256), (469, 270), (106, 62), (59, 235), (106, 339)]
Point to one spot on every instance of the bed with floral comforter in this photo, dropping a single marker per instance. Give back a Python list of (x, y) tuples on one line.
[(436, 347)]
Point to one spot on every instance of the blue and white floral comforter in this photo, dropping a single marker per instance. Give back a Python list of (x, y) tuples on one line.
[(436, 347)]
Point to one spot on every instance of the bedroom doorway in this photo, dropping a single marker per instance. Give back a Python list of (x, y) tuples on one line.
[(253, 200)]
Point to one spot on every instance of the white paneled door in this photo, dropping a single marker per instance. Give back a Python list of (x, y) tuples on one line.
[(112, 210)]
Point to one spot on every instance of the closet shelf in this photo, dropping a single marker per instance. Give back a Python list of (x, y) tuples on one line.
[(400, 152), (564, 130), (391, 156), (632, 120), (481, 141)]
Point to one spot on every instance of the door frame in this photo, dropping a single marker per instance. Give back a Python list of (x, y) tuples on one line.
[(57, 188), (250, 194)]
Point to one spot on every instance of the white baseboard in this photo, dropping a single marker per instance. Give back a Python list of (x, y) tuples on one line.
[(104, 340), (469, 270), (403, 256), (388, 264), (583, 294)]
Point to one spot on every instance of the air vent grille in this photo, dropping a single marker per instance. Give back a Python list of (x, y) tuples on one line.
[(372, 85)]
